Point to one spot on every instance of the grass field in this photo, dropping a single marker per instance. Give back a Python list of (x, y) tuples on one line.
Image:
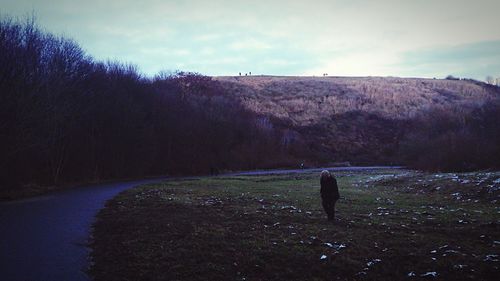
[(391, 225)]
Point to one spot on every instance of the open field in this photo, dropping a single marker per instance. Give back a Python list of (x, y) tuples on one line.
[(391, 225)]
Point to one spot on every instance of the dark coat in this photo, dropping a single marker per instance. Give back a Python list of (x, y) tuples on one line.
[(329, 189)]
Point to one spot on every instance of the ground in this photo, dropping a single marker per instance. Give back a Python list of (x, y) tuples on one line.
[(392, 225)]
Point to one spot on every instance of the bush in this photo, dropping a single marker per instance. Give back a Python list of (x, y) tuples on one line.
[(455, 138)]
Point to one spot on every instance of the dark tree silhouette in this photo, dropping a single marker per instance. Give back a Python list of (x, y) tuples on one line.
[(65, 117)]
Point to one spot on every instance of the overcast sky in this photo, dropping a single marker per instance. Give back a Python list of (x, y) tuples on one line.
[(418, 38)]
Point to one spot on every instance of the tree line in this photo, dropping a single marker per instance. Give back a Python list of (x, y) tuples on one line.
[(66, 117), (454, 138)]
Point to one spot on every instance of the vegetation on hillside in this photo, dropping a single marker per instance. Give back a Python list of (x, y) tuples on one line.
[(304, 100), (454, 138), (436, 124)]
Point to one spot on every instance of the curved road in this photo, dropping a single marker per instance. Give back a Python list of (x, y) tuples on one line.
[(45, 238)]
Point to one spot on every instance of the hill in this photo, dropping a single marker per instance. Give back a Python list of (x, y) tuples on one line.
[(305, 100), (357, 119)]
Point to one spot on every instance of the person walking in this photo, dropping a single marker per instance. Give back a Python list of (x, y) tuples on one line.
[(329, 193)]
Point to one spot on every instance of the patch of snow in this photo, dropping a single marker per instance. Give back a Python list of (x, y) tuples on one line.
[(340, 246), (493, 258), (336, 246), (429, 274), (373, 262)]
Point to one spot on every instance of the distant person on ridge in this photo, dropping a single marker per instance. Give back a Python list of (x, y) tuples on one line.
[(329, 193)]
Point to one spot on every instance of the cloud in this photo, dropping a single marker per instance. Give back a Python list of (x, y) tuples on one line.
[(480, 58), (341, 37), (207, 37), (359, 63), (250, 44)]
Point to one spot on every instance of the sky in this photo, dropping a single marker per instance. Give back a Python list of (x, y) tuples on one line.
[(406, 38)]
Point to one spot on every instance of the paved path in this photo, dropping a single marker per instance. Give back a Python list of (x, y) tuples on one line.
[(309, 170), (45, 238)]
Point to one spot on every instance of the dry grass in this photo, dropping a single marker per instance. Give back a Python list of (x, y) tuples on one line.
[(307, 100)]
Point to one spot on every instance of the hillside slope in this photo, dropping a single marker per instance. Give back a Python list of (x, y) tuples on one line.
[(305, 100), (357, 119)]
